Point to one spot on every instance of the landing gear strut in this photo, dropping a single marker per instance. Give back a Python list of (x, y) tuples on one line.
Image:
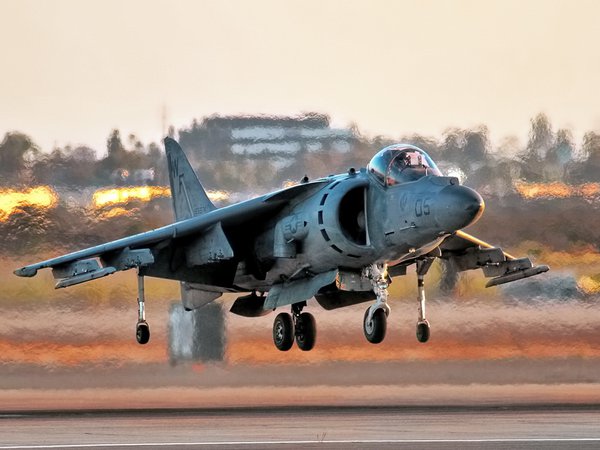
[(423, 327), (375, 320), (299, 326), (142, 329)]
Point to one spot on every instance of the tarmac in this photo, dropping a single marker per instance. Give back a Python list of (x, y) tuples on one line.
[(432, 427)]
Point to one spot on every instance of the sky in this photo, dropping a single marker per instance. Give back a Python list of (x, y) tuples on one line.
[(72, 70)]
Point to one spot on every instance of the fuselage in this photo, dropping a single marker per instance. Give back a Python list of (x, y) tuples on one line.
[(360, 218)]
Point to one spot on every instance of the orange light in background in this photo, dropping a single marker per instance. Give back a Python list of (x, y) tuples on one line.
[(589, 284), (40, 197), (289, 184), (557, 190), (117, 196), (590, 189), (120, 196), (218, 196), (118, 211)]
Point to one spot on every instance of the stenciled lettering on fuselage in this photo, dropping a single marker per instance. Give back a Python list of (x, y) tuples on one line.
[(422, 207)]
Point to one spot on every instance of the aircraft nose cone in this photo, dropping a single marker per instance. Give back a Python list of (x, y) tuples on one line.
[(458, 207)]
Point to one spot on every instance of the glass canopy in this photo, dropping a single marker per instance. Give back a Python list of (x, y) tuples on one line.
[(401, 163)]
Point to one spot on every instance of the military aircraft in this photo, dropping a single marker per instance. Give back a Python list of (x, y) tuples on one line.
[(340, 239)]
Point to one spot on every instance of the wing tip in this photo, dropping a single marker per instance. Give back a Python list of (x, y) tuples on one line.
[(26, 271)]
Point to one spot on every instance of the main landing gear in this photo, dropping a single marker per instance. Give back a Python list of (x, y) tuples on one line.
[(299, 326), (142, 329), (375, 319)]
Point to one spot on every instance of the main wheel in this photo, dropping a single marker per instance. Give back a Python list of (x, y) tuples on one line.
[(283, 332), (423, 331), (142, 332), (376, 327), (306, 331)]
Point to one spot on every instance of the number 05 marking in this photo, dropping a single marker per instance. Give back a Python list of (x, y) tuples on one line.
[(422, 207)]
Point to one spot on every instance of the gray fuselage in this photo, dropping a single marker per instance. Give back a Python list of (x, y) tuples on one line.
[(355, 220)]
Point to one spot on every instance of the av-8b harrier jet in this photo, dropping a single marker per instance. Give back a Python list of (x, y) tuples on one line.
[(339, 239)]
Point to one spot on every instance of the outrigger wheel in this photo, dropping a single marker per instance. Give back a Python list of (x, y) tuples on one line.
[(423, 331), (142, 332), (283, 332)]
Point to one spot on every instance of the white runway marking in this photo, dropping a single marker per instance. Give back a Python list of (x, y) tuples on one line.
[(302, 442)]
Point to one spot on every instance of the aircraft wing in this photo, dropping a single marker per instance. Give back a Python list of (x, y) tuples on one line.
[(467, 253), (136, 250)]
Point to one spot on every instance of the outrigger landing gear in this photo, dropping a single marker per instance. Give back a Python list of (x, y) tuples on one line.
[(142, 329), (423, 327), (375, 320), (299, 326)]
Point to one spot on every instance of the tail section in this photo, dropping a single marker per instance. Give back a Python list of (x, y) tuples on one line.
[(189, 197)]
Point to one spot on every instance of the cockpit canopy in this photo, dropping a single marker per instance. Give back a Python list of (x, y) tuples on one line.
[(401, 163)]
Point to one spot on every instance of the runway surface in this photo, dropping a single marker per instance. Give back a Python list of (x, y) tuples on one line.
[(516, 427)]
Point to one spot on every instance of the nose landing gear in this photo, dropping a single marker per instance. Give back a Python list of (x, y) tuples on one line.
[(375, 320)]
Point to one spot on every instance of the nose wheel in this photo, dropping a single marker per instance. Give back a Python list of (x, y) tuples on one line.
[(423, 331), (375, 326), (142, 332)]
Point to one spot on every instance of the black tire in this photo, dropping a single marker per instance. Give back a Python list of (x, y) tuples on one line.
[(142, 333), (283, 332), (306, 331), (375, 330), (423, 332)]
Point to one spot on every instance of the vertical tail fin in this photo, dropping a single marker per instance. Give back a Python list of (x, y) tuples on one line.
[(189, 197)]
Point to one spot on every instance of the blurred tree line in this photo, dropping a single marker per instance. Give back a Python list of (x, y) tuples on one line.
[(23, 163), (547, 156)]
